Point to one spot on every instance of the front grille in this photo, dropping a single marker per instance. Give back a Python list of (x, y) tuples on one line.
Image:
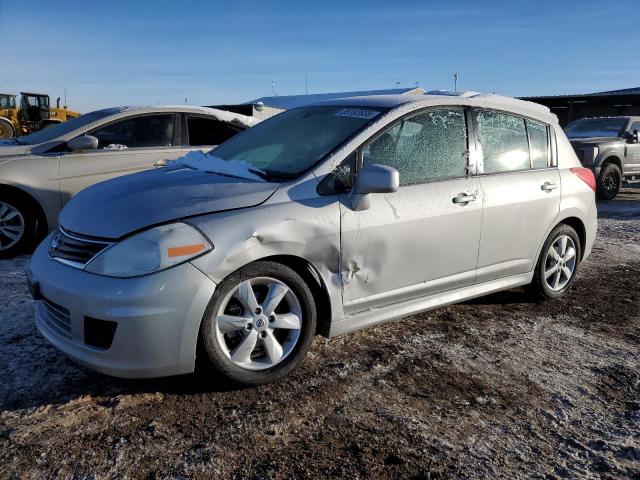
[(74, 249), (56, 317)]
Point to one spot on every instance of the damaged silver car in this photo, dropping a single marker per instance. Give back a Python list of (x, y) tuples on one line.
[(321, 220)]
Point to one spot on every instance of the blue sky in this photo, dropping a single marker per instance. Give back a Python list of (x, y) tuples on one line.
[(155, 52)]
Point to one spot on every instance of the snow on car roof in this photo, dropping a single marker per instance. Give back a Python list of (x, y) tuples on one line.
[(222, 115), (472, 99)]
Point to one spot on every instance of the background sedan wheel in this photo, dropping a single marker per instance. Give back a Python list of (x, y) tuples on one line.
[(17, 226), (260, 323), (558, 263)]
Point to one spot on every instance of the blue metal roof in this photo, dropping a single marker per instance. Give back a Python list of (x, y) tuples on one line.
[(287, 102)]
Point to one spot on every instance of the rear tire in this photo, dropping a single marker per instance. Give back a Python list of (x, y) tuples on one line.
[(609, 182), (557, 266), (259, 324), (18, 226), (6, 129)]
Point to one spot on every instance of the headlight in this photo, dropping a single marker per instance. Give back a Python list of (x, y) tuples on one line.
[(152, 250)]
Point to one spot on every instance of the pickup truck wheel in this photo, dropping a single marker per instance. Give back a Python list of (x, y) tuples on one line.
[(609, 182), (259, 324), (17, 227)]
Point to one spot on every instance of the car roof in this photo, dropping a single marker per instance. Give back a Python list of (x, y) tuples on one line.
[(436, 98), (222, 115)]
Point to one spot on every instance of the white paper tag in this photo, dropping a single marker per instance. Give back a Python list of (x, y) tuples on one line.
[(357, 113)]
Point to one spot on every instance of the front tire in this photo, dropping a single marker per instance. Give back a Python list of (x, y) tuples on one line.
[(259, 324), (6, 129), (557, 265), (609, 182), (18, 226)]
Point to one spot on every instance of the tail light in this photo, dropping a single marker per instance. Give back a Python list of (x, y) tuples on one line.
[(586, 176)]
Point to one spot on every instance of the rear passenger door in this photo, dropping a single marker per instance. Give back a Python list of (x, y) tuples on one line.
[(422, 239), (201, 132), (521, 192), (632, 158), (125, 146)]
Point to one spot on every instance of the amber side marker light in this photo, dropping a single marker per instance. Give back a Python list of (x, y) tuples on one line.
[(183, 250), (586, 176)]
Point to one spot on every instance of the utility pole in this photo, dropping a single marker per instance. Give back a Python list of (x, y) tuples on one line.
[(306, 84), (455, 82), (65, 98), (185, 100), (273, 88)]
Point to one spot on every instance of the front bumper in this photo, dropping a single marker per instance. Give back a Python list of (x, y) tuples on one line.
[(157, 316)]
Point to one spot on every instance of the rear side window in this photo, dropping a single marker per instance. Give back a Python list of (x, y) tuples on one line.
[(429, 146), (209, 131), (137, 132), (539, 143), (504, 142)]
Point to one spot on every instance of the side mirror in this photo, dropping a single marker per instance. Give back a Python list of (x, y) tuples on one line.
[(84, 142), (373, 179)]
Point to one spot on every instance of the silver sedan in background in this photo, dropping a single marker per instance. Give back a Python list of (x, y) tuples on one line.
[(321, 220), (41, 171)]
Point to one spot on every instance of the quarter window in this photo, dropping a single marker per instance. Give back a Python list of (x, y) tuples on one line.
[(429, 146), (504, 142), (137, 132), (208, 131), (538, 143)]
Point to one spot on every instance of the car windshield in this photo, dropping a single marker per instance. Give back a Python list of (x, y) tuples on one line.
[(54, 131), (596, 127), (292, 142)]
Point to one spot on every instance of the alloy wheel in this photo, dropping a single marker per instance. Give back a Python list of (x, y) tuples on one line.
[(11, 226), (611, 182), (258, 323), (560, 264)]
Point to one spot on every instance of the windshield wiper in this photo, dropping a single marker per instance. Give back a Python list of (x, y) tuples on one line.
[(270, 176)]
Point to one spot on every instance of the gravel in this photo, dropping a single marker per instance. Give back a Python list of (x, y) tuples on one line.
[(501, 386)]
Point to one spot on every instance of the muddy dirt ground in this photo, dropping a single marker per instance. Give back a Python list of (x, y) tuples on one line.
[(498, 387)]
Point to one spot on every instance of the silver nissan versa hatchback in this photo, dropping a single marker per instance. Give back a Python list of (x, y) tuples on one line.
[(321, 220)]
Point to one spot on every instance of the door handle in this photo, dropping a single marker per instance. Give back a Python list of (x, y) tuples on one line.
[(548, 186), (463, 198)]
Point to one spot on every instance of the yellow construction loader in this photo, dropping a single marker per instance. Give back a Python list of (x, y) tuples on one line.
[(34, 113)]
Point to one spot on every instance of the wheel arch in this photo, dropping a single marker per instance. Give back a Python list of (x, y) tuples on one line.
[(612, 158), (580, 228), (316, 283), (30, 199)]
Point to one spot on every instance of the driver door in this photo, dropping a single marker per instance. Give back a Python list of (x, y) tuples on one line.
[(125, 146), (421, 239)]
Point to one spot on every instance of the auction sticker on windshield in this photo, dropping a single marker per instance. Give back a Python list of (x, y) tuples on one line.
[(357, 113)]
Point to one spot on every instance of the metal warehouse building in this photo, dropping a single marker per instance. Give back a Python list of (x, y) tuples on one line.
[(266, 107), (600, 104)]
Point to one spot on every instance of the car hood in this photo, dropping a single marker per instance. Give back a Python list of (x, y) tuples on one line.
[(125, 204), (9, 148)]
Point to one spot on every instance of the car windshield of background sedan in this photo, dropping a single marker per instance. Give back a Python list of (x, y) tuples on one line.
[(55, 131), (293, 141), (596, 127)]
